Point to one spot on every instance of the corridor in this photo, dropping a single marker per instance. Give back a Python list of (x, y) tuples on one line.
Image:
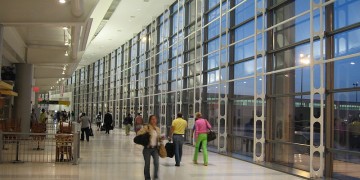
[(115, 156)]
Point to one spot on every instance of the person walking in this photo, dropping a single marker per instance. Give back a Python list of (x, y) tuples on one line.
[(85, 126), (43, 117), (200, 145), (177, 132), (108, 122), (201, 128), (151, 150), (138, 123), (33, 118), (128, 123), (98, 121)]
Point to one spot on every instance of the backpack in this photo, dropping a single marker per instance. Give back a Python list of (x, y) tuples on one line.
[(98, 118)]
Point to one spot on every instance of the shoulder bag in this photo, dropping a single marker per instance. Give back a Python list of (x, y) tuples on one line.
[(142, 139), (211, 135)]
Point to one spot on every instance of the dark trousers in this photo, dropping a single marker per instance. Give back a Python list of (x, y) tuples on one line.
[(147, 153), (107, 129), (178, 146), (86, 130)]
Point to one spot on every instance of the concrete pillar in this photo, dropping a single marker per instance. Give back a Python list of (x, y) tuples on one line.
[(1, 45), (23, 86)]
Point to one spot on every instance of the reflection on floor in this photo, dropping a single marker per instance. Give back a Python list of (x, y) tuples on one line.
[(115, 156)]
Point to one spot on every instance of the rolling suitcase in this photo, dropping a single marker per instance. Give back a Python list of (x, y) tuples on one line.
[(170, 149)]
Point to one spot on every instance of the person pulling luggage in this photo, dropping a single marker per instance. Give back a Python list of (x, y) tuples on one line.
[(177, 133)]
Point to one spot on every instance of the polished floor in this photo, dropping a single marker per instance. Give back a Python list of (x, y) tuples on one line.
[(114, 156)]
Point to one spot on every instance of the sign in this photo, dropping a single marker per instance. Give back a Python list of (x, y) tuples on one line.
[(36, 89)]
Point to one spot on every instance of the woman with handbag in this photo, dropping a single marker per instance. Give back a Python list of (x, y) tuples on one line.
[(152, 148), (201, 129)]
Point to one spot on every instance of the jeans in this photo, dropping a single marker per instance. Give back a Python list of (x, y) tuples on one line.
[(127, 128), (87, 132), (147, 152), (178, 145), (201, 139)]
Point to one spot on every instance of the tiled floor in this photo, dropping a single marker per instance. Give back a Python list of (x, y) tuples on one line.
[(115, 157)]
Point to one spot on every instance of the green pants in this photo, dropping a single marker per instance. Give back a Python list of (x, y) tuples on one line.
[(202, 138), (127, 129)]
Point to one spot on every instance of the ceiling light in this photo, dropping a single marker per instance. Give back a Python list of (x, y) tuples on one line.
[(66, 53), (57, 82), (245, 82), (352, 63), (66, 43), (144, 39), (65, 28), (62, 78), (63, 73), (51, 88), (62, 1)]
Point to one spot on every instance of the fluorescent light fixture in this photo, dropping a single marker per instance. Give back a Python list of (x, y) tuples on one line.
[(62, 1), (352, 63)]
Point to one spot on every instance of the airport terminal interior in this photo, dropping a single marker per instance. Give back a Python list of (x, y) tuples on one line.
[(276, 79)]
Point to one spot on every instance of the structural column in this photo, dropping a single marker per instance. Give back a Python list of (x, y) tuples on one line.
[(1, 45), (23, 86)]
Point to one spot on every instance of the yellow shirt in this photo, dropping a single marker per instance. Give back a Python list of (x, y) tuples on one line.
[(179, 126)]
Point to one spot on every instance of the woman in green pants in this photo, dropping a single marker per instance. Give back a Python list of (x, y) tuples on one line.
[(201, 128)]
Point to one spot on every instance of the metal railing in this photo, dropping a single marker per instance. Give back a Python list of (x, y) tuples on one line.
[(39, 147)]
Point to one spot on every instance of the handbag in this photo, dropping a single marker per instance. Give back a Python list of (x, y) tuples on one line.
[(162, 151), (142, 139), (91, 133), (211, 135)]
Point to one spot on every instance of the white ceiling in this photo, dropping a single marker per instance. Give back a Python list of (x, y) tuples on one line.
[(121, 27), (34, 32)]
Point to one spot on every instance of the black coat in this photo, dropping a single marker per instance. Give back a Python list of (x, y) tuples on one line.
[(107, 119)]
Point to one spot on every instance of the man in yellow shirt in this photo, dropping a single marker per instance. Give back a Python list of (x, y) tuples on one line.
[(43, 117), (178, 134)]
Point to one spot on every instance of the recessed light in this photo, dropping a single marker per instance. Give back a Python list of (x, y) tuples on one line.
[(65, 28), (66, 53), (62, 78), (62, 1), (352, 63), (63, 73), (244, 82)]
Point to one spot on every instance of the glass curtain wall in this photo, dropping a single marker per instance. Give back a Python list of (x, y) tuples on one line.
[(277, 79)]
